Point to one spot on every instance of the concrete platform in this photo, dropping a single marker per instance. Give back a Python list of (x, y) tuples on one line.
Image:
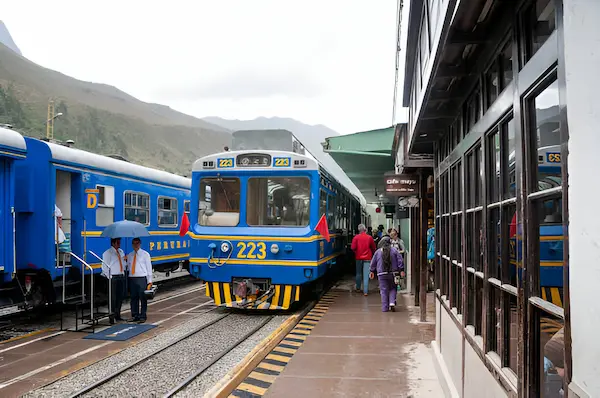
[(355, 350), (36, 360)]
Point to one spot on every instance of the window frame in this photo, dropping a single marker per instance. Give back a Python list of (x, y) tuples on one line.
[(148, 223), (158, 210), (276, 177)]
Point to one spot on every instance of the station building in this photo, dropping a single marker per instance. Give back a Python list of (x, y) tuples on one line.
[(503, 95)]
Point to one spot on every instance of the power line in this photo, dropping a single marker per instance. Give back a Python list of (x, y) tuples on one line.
[(400, 4)]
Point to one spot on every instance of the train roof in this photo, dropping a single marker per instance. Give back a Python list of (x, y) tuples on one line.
[(10, 139), (64, 154), (309, 163)]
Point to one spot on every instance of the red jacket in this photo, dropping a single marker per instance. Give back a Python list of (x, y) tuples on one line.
[(363, 246)]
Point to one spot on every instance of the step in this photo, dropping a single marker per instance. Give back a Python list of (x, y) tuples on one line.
[(97, 315)]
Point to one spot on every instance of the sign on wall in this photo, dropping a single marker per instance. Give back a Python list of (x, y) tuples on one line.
[(402, 185)]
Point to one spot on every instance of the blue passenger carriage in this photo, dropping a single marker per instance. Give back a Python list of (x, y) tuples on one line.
[(12, 151), (90, 192), (253, 220)]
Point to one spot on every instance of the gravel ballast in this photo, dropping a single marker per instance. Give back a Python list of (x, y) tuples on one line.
[(215, 373), (88, 375), (161, 373)]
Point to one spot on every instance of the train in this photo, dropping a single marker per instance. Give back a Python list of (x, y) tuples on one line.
[(551, 230), (45, 184), (254, 215)]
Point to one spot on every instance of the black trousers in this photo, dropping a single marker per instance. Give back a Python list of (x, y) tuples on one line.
[(118, 294), (137, 285)]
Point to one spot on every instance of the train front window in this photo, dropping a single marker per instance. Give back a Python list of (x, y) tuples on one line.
[(278, 201), (219, 204)]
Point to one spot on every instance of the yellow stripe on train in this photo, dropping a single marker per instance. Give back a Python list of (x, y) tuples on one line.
[(281, 299)]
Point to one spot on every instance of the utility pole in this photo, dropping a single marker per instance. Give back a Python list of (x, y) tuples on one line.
[(50, 120)]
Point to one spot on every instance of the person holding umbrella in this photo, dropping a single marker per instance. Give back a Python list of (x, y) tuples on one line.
[(139, 264), (140, 280)]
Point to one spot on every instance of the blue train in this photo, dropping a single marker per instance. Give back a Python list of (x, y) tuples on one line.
[(253, 220), (551, 230), (56, 202)]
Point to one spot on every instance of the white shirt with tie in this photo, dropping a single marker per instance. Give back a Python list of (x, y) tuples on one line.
[(140, 264), (110, 261)]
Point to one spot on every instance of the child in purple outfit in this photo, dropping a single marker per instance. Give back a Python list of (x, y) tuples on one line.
[(386, 261)]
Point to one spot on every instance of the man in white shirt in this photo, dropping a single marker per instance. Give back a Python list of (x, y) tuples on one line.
[(140, 279), (114, 264)]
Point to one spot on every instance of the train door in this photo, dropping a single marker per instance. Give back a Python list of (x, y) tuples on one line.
[(62, 201)]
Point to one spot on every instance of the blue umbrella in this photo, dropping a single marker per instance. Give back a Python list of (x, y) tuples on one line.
[(125, 229)]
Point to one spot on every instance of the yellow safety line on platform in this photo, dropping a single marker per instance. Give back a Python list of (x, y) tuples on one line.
[(24, 336), (260, 379)]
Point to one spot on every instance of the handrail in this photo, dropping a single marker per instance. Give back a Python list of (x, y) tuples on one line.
[(83, 263), (64, 284), (109, 281)]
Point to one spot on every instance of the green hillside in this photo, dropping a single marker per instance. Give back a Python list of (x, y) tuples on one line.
[(101, 118)]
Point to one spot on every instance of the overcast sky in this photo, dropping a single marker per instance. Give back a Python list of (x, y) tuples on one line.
[(318, 61)]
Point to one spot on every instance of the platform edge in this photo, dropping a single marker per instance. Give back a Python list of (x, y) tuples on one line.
[(237, 375)]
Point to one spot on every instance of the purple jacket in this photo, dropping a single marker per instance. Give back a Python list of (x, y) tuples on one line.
[(377, 261)]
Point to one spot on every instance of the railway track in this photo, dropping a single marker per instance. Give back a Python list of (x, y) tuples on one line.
[(17, 323), (169, 357)]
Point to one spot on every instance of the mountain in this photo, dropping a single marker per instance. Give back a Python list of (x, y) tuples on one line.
[(7, 40), (310, 136), (273, 123), (101, 118)]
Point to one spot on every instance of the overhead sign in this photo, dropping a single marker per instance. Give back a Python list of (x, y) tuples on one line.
[(402, 185)]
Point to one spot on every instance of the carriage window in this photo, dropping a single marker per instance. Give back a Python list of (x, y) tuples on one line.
[(137, 207), (330, 211), (167, 211), (219, 203), (278, 201), (105, 212), (186, 207), (322, 203)]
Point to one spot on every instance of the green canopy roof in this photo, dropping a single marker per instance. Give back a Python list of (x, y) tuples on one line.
[(365, 157)]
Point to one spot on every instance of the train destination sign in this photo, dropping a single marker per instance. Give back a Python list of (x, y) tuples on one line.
[(402, 185)]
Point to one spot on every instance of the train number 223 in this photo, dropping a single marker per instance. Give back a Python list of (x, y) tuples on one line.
[(255, 250)]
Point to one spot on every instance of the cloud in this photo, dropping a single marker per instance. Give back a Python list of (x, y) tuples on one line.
[(246, 84)]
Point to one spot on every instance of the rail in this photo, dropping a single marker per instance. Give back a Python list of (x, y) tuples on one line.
[(146, 357), (83, 266)]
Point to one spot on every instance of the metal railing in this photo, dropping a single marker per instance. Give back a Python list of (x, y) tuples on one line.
[(109, 281), (83, 266)]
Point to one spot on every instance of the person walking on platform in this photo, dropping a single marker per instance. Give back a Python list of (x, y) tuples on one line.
[(114, 264), (386, 262), (363, 247), (140, 279)]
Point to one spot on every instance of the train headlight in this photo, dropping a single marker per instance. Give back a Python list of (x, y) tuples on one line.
[(274, 248), (225, 247)]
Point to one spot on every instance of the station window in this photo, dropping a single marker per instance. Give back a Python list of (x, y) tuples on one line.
[(105, 212), (167, 212), (474, 238), (499, 74), (278, 201), (137, 207), (540, 22), (219, 203), (546, 226)]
